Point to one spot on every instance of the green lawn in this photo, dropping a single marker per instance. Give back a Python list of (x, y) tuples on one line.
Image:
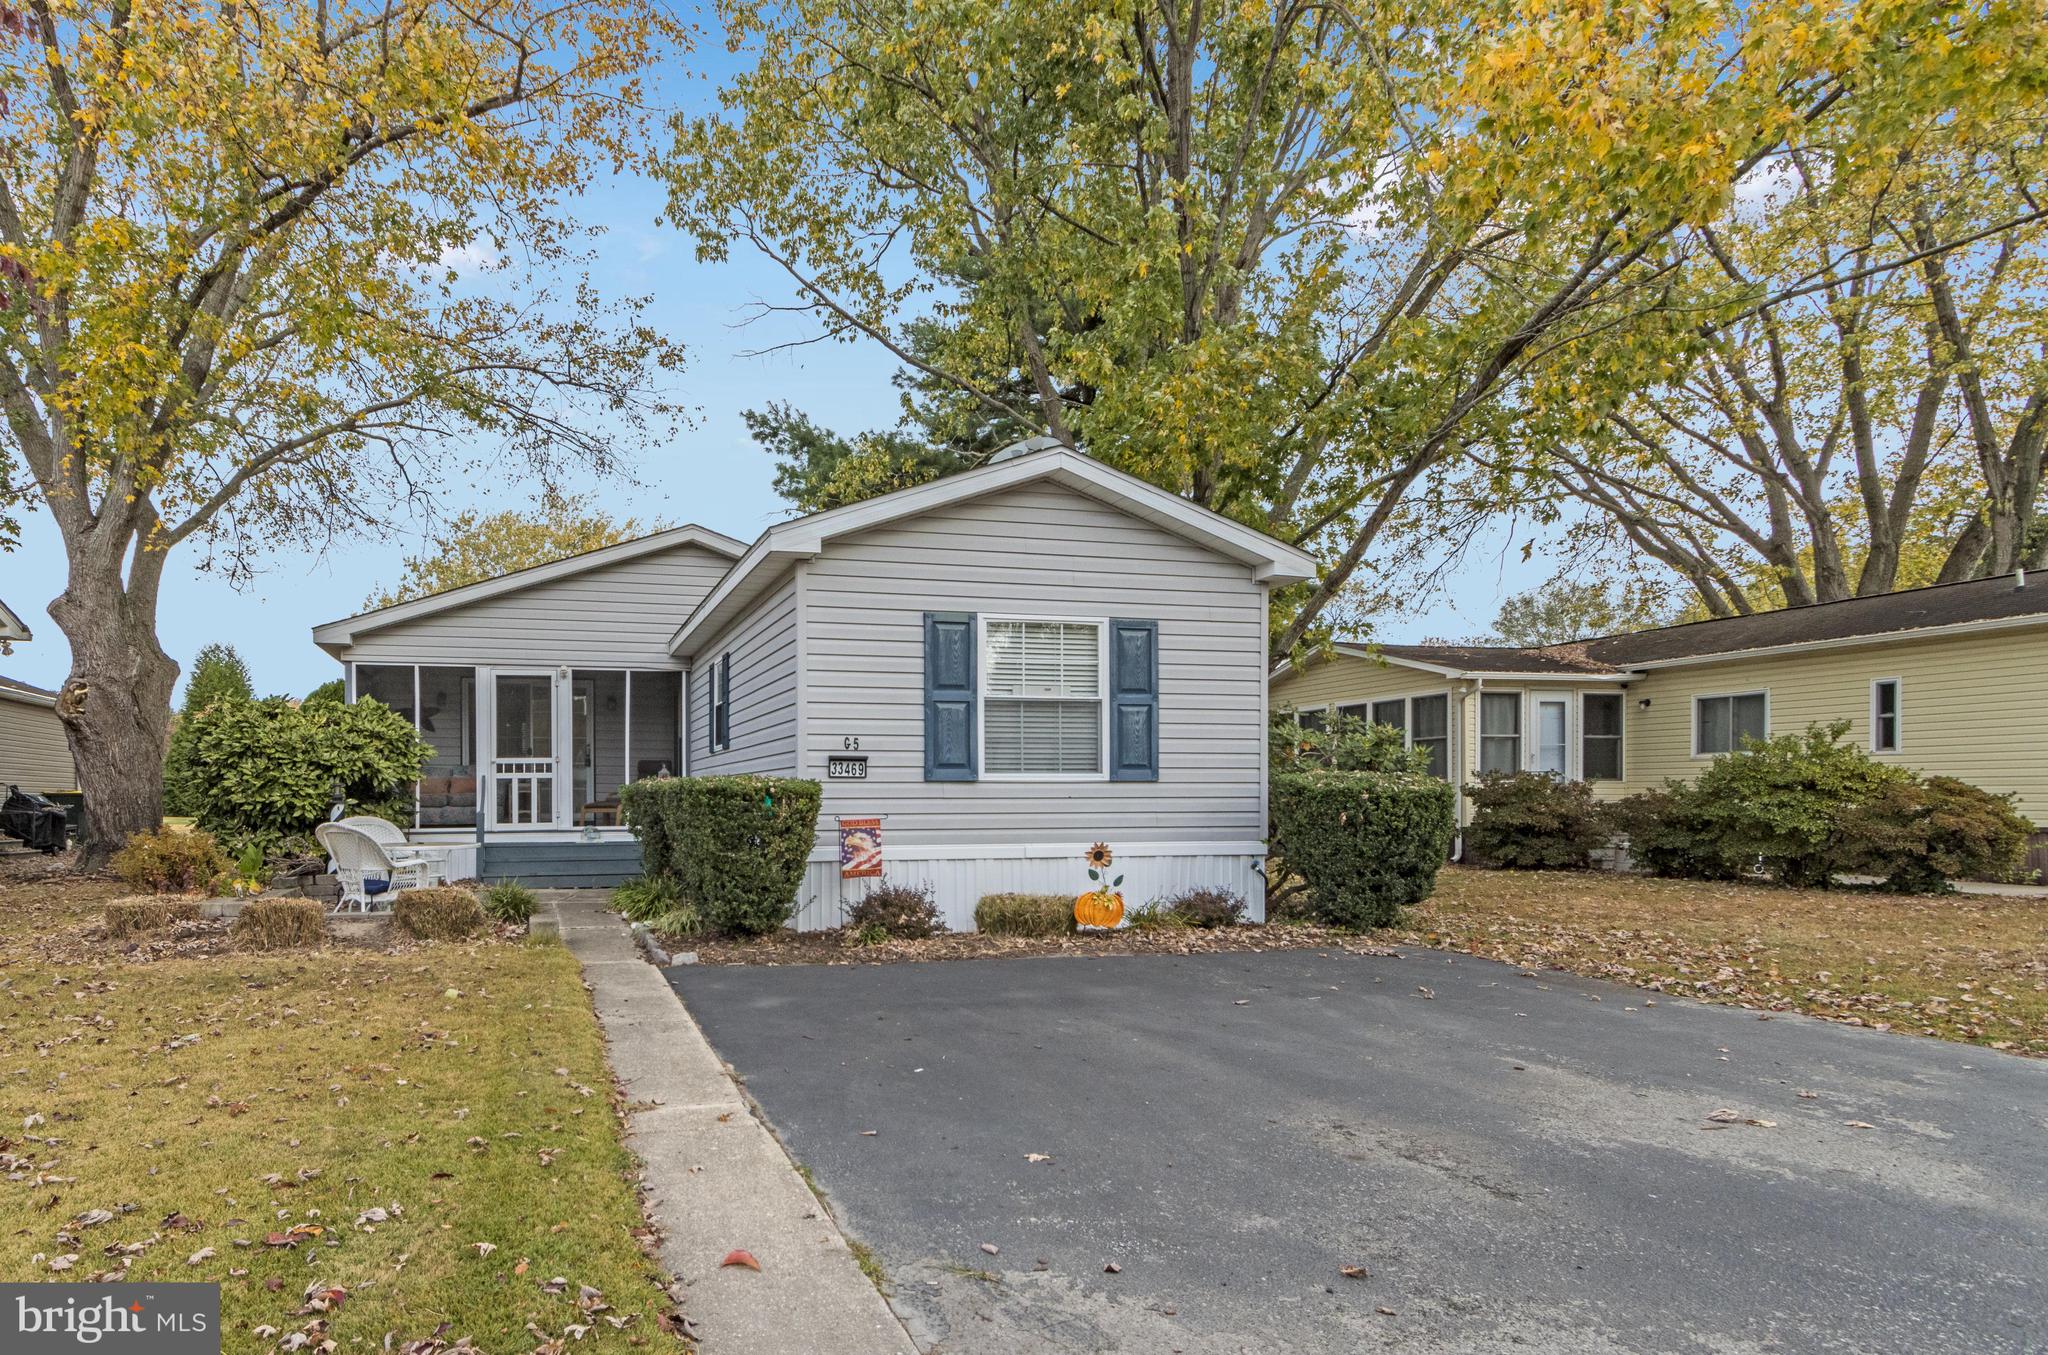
[(212, 1106)]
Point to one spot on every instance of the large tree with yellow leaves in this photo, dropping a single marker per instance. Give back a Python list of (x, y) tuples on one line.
[(1291, 258), (235, 307)]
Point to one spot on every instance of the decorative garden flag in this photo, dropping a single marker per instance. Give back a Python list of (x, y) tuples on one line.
[(860, 848)]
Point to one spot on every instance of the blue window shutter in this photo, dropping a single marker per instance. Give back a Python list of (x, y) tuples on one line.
[(1133, 700), (949, 716)]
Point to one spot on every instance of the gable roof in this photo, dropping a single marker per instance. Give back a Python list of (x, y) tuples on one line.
[(335, 636), (10, 690), (1950, 608), (802, 538), (12, 627)]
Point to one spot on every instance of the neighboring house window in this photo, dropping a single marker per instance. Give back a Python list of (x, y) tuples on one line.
[(1600, 736), (1393, 713), (1721, 723), (1360, 711), (1310, 719), (1042, 695), (721, 704), (1500, 731), (1884, 715), (1429, 728)]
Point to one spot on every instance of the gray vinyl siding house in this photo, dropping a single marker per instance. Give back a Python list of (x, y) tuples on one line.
[(1002, 667)]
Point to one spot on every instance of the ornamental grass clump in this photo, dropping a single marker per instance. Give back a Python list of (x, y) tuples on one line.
[(1025, 915), (277, 924), (439, 914), (510, 901), (138, 916)]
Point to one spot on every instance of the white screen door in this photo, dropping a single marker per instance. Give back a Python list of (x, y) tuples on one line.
[(1552, 746), (523, 750)]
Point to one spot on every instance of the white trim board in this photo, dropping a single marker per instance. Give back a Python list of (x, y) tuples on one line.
[(1269, 560), (336, 636), (12, 627), (999, 851)]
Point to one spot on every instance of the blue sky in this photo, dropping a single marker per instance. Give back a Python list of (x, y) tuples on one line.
[(712, 474)]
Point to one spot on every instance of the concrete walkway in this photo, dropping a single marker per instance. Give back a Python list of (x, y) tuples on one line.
[(716, 1179)]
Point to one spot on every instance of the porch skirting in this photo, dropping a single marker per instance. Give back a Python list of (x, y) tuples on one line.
[(560, 865), (961, 875)]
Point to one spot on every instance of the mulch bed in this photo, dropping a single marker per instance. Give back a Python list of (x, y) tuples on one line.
[(838, 948)]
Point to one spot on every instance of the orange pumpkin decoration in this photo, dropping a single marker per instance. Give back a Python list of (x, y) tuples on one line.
[(1099, 908)]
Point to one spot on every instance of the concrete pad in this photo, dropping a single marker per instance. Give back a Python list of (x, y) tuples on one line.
[(716, 1179)]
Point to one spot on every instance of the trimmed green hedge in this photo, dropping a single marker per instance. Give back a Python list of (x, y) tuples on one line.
[(1367, 844), (734, 845)]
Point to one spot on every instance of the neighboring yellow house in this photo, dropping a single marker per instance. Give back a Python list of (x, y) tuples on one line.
[(1949, 680)]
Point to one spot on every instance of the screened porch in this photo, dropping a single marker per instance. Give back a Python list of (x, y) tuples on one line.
[(530, 749)]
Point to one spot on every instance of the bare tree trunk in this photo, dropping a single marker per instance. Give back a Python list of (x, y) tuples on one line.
[(116, 703)]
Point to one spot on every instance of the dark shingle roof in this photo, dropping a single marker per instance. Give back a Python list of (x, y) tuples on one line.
[(1949, 604), (1493, 659)]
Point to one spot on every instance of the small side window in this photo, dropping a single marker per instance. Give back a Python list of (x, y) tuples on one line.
[(1884, 715)]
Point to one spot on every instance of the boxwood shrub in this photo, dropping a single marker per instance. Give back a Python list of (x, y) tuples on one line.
[(734, 845), (1366, 844), (1533, 821)]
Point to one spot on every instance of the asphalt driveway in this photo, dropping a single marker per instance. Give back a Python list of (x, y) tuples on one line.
[(1520, 1162)]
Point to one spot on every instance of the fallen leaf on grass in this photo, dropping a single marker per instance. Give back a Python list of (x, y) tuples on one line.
[(484, 1248), (200, 1257), (737, 1257)]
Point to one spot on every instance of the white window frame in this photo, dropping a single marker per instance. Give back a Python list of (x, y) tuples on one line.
[(1735, 747), (1898, 715), (981, 696), (1620, 740), (1523, 712), (721, 695)]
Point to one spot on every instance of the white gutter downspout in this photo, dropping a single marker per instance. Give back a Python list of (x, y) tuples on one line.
[(1458, 779)]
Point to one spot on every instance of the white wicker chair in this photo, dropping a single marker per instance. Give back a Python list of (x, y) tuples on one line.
[(392, 839), (355, 858)]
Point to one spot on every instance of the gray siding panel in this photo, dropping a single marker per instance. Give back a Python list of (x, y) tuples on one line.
[(560, 865), (1039, 550), (34, 754), (764, 686), (619, 615)]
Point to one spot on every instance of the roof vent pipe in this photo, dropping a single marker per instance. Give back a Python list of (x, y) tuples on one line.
[(2019, 577), (1044, 442)]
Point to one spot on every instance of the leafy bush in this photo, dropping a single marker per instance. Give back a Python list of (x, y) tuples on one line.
[(735, 845), (1366, 844), (1668, 836), (1206, 908), (171, 862), (510, 901), (277, 924), (133, 917), (440, 914), (1344, 744), (1533, 821), (1778, 801), (266, 771), (1025, 914), (902, 912), (1917, 835)]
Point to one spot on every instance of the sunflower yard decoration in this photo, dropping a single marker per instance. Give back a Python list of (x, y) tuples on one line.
[(1101, 906)]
